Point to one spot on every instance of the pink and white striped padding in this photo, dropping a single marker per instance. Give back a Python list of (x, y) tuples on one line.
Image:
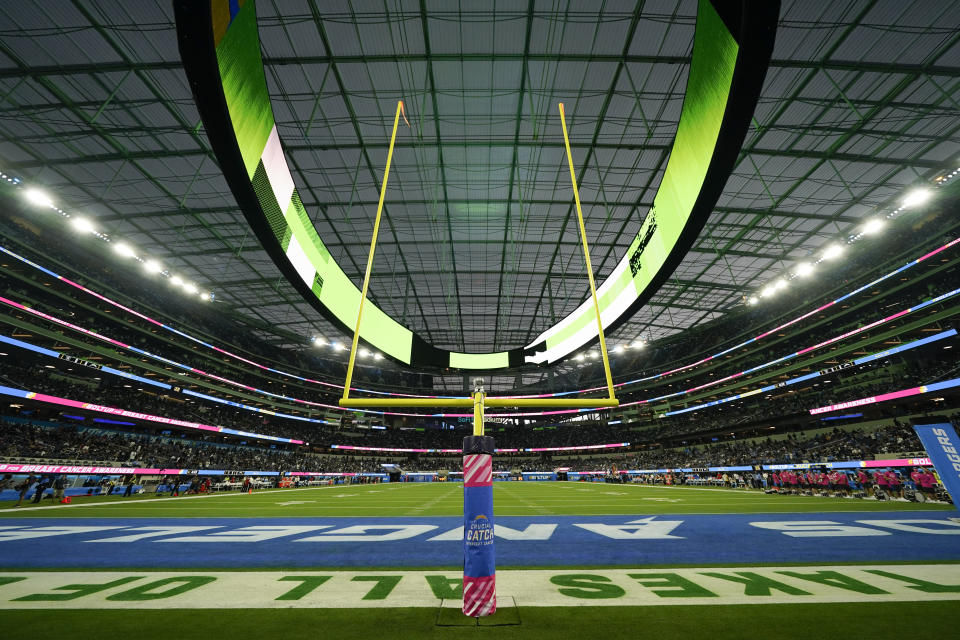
[(477, 470), (479, 596)]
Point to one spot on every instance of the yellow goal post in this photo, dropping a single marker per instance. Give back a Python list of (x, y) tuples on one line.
[(478, 400)]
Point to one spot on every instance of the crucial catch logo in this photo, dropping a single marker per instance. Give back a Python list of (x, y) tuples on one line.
[(480, 533)]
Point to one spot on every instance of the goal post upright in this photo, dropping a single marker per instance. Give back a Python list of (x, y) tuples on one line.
[(479, 562), (373, 247), (586, 255)]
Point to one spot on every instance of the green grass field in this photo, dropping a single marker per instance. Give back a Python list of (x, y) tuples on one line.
[(888, 617)]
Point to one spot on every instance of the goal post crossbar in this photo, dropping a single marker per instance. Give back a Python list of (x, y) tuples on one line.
[(570, 403)]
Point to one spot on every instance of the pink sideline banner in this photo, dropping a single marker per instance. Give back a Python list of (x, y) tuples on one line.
[(899, 462), (53, 468)]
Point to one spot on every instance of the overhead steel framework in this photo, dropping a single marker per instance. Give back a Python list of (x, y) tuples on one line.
[(96, 107)]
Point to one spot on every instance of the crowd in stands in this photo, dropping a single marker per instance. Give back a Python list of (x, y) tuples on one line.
[(899, 372), (846, 384), (859, 267), (23, 439), (197, 317), (660, 443), (741, 417), (203, 320)]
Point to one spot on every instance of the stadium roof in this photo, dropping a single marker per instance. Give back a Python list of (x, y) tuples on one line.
[(479, 251)]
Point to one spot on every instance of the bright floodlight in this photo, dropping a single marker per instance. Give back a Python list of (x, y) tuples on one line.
[(123, 249), (618, 349), (37, 197), (639, 344), (873, 226), (580, 357), (176, 281), (753, 300), (594, 355), (780, 284), (769, 290), (377, 356), (916, 198), (804, 269), (152, 266), (191, 288), (364, 353), (83, 225), (832, 252)]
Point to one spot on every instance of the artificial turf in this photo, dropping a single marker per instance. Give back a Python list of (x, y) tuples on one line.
[(882, 619), (445, 499)]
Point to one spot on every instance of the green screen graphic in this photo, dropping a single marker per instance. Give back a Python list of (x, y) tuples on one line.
[(239, 119), (711, 74)]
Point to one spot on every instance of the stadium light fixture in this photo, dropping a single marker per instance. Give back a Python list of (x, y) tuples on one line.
[(123, 249), (82, 225), (832, 252), (916, 198), (38, 198), (752, 300), (873, 226), (580, 357), (768, 290), (363, 353), (619, 348), (780, 284), (377, 356), (639, 344), (804, 269)]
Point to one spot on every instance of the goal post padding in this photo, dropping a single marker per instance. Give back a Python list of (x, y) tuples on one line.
[(479, 567)]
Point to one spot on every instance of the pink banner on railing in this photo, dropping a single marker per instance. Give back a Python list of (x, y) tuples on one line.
[(589, 446), (99, 408), (349, 447), (903, 393), (899, 462), (83, 470)]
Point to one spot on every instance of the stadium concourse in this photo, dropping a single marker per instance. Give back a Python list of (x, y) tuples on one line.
[(766, 194)]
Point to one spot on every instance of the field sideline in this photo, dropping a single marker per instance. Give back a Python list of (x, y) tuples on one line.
[(445, 499), (365, 561)]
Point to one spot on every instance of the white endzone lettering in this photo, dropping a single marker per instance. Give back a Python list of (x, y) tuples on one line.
[(645, 529), (358, 533), (817, 529), (945, 528), (250, 534), (152, 532), (45, 532)]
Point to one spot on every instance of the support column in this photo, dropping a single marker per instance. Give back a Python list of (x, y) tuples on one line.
[(479, 566)]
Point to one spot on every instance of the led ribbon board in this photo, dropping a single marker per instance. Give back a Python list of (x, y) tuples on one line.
[(220, 47)]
